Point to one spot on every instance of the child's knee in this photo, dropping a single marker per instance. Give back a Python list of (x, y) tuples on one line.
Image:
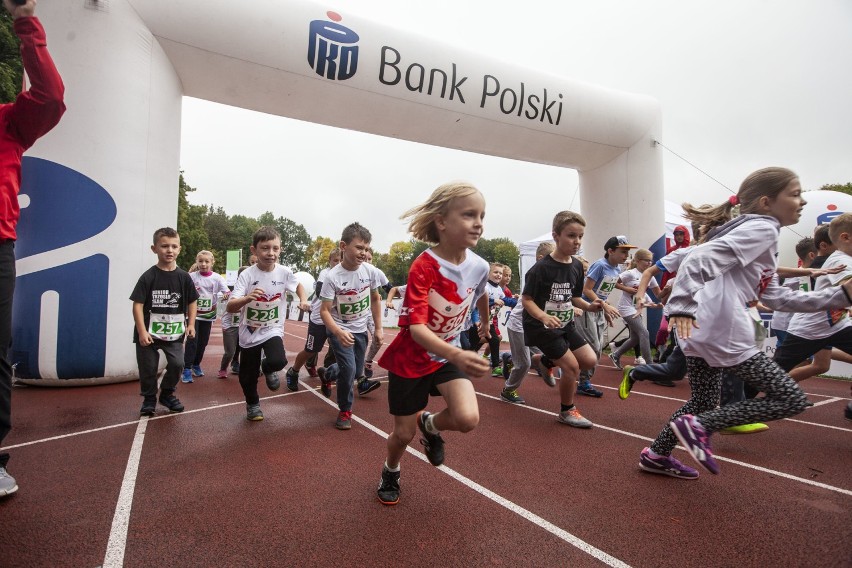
[(467, 419)]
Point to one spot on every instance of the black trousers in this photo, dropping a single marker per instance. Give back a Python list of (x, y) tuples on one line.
[(7, 291), (274, 359), (194, 349)]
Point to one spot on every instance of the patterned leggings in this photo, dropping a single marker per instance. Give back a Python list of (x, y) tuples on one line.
[(782, 398)]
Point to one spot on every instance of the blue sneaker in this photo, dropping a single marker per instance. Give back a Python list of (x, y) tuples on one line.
[(187, 376), (586, 388), (196, 371)]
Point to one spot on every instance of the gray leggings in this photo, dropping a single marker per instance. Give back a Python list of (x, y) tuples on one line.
[(230, 341), (782, 398), (520, 359), (638, 335)]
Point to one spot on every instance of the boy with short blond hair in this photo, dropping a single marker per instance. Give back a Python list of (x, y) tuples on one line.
[(164, 306)]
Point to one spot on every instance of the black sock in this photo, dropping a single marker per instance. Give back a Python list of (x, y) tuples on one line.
[(567, 407)]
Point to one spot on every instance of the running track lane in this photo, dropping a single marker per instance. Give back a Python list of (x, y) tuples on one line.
[(212, 488)]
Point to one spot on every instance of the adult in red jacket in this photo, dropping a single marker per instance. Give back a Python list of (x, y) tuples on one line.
[(22, 122), (681, 240)]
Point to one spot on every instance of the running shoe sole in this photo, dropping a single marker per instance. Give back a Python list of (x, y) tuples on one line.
[(626, 383)]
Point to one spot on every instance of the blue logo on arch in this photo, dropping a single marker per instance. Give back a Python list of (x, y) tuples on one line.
[(827, 217), (332, 48), (65, 207)]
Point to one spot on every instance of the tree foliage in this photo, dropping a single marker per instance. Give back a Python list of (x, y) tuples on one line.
[(316, 255), (845, 188), (193, 236), (11, 67)]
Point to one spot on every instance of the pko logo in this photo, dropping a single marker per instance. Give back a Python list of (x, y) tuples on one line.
[(332, 49), (829, 215)]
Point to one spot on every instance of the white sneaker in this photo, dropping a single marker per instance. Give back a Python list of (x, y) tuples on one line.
[(639, 361), (8, 485), (612, 347), (573, 418)]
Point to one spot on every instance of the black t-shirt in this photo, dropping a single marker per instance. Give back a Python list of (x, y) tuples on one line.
[(163, 292), (551, 284)]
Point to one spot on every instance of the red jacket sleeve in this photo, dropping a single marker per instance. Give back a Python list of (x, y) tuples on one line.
[(38, 109)]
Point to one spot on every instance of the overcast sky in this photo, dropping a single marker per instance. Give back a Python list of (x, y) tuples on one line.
[(742, 84)]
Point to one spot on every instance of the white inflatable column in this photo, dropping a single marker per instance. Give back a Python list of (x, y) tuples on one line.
[(99, 184)]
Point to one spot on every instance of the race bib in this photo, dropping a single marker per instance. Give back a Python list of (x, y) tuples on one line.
[(262, 314), (606, 287), (166, 327), (355, 306), (205, 309), (563, 310), (446, 319)]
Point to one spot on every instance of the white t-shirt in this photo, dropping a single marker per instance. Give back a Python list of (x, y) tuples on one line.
[(349, 293), (383, 281), (630, 278), (262, 319), (316, 302), (781, 320), (818, 325), (516, 318), (209, 289)]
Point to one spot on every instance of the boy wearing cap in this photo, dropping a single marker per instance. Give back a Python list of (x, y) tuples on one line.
[(601, 280)]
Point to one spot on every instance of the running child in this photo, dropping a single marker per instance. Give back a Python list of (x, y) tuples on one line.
[(210, 286), (259, 297), (552, 288), (631, 316), (601, 280), (393, 293), (317, 334), (522, 358), (425, 358), (230, 336), (733, 268), (349, 294), (163, 312)]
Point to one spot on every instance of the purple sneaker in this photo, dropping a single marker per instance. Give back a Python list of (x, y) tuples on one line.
[(666, 465), (696, 440)]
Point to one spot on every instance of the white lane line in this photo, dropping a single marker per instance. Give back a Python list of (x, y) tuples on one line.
[(828, 401), (118, 533), (718, 457), (502, 501)]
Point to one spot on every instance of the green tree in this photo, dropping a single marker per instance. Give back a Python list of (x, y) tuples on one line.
[(316, 255), (396, 262), (845, 188), (218, 228), (506, 252), (11, 67), (242, 229), (190, 225)]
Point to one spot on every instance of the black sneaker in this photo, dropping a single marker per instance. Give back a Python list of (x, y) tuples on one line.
[(325, 385), (389, 487), (149, 406), (366, 385), (292, 379), (433, 444), (272, 381), (849, 411), (170, 401)]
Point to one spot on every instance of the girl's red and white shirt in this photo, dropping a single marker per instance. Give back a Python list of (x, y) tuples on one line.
[(439, 295)]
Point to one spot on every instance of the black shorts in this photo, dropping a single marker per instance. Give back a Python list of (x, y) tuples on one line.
[(554, 343), (410, 396), (317, 334)]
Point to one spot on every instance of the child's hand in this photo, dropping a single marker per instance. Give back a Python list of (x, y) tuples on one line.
[(498, 303), (344, 337), (190, 332), (389, 305), (826, 271), (378, 336), (255, 294), (551, 322), (484, 332), (471, 364), (304, 306), (578, 312), (145, 339), (683, 325)]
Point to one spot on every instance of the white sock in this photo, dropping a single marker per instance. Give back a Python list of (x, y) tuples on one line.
[(389, 468), (429, 424)]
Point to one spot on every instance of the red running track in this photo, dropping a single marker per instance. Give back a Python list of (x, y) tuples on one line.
[(212, 489)]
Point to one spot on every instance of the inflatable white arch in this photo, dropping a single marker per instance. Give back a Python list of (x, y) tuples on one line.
[(102, 182)]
